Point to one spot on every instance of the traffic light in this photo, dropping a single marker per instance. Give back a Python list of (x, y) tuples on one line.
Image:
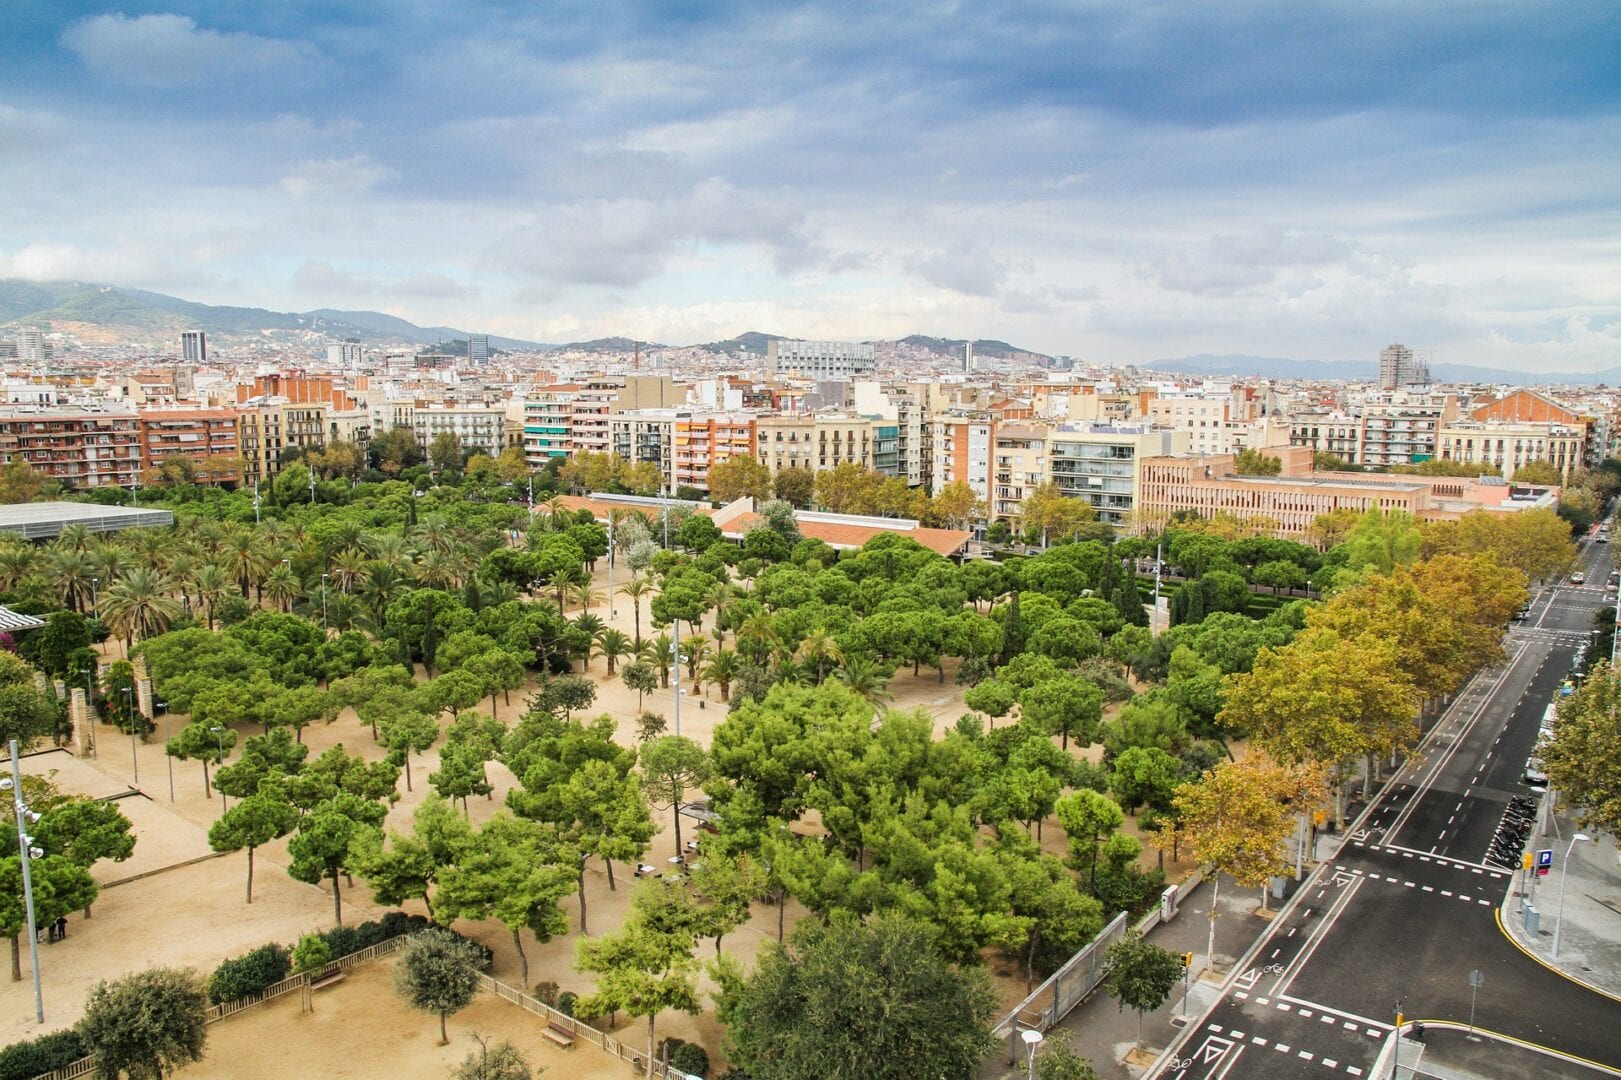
[(1187, 959)]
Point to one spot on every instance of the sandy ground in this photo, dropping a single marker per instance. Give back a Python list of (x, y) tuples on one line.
[(361, 1028), (197, 915)]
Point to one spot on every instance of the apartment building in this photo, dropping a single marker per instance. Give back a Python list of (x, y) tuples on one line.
[(906, 409), (827, 439), (80, 447), (1385, 428), (480, 427), (1101, 464), (1509, 444), (548, 424), (962, 450), (704, 440), (1215, 416), (821, 360), (1020, 458), (266, 429), (209, 437)]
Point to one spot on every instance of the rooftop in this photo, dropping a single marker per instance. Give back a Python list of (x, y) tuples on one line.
[(43, 520)]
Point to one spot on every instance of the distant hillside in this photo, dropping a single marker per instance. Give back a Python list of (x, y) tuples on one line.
[(752, 340), (141, 315), (998, 350), (608, 345), (1273, 367)]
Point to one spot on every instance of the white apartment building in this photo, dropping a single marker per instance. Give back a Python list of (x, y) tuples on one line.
[(821, 360), (961, 442), (480, 427), (1510, 444), (1020, 449)]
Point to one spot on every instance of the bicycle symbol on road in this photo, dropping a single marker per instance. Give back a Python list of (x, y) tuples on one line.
[(1255, 974), (1212, 1049)]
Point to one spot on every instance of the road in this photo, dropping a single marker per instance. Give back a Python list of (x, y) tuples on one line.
[(1407, 907)]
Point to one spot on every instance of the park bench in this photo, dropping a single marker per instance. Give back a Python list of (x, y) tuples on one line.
[(559, 1034), (331, 978)]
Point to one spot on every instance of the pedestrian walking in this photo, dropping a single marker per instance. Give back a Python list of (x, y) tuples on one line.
[(61, 927)]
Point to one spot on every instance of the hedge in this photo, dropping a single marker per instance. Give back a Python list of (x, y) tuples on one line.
[(245, 976), (32, 1057)]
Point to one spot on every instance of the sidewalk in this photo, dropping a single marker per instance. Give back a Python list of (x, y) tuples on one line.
[(1101, 1031), (1590, 937), (1451, 1053)]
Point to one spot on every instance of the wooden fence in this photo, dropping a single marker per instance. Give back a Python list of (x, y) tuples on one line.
[(216, 1013), (578, 1028)]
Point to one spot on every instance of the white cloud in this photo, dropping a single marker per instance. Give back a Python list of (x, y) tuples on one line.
[(172, 50), (354, 175), (966, 267)]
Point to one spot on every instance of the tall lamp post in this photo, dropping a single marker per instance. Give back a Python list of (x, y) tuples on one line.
[(164, 705), (1032, 1039), (675, 652), (129, 714), (1564, 869), (323, 604), (25, 847)]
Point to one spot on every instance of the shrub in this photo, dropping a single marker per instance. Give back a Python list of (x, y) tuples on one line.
[(247, 975), (565, 1002), (546, 993), (690, 1058), (340, 940), (29, 1058), (734, 1073), (312, 953), (666, 1048)]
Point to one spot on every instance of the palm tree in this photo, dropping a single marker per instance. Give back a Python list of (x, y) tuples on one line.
[(659, 650), (719, 595), (756, 637), (72, 574), (555, 511), (383, 583), (16, 564), (722, 670), (109, 563), (282, 585), (140, 605), (348, 569), (612, 644), (437, 568), (436, 534), (819, 645), (211, 581), (73, 538), (694, 651), (342, 611), (391, 549), (584, 595), (567, 582), (636, 588), (867, 678), (592, 626)]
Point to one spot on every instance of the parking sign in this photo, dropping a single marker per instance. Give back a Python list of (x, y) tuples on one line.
[(1544, 861)]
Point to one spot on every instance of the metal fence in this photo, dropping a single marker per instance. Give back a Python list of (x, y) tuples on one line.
[(1064, 989)]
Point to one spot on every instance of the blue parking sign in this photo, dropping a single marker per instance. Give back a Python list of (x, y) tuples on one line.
[(1544, 861)]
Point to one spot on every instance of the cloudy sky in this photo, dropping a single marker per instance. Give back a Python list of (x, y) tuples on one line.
[(1117, 181)]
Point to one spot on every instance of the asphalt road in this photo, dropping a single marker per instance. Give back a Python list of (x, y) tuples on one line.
[(1408, 907)]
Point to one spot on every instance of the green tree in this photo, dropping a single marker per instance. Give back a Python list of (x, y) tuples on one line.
[(1059, 1061), (60, 886), (604, 811), (670, 765), (641, 678), (1088, 819), (738, 476), (850, 999), (144, 1023), (407, 732), (1067, 706), (1145, 776), (326, 838), (86, 831), (253, 822), (438, 973), (404, 867), (514, 870), (1140, 974), (728, 885), (198, 742), (1583, 758), (1251, 462), (794, 486), (646, 966)]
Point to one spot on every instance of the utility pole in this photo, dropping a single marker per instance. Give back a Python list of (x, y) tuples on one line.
[(675, 650)]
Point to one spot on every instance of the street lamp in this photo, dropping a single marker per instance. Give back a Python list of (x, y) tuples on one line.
[(1032, 1039), (95, 606), (1564, 869), (323, 603), (25, 846), (129, 715), (164, 705), (675, 652), (219, 733)]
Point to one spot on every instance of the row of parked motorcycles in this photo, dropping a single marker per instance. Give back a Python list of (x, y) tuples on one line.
[(1512, 832)]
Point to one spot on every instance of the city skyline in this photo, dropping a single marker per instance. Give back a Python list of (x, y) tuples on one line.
[(1311, 184)]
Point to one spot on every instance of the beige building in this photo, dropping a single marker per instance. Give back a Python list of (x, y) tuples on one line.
[(1509, 444), (1101, 464), (824, 440), (265, 429), (1020, 466)]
